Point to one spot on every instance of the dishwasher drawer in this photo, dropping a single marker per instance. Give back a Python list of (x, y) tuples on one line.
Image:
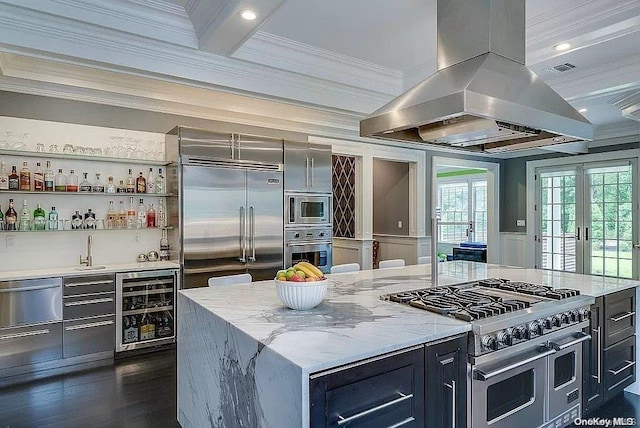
[(89, 336), (30, 301), (30, 344), (88, 284), (88, 305)]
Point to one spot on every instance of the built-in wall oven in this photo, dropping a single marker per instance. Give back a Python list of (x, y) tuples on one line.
[(534, 384), (307, 209), (309, 244)]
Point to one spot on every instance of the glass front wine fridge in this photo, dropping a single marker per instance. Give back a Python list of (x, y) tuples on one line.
[(145, 313)]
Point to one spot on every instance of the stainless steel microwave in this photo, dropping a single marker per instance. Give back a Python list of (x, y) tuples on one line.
[(308, 209)]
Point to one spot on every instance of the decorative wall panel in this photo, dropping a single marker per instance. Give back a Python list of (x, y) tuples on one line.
[(344, 196)]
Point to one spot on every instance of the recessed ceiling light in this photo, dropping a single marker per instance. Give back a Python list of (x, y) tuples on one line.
[(582, 110), (248, 14), (562, 46)]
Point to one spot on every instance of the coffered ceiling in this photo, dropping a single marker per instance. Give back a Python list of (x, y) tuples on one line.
[(336, 60)]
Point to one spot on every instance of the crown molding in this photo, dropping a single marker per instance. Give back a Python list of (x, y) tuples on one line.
[(26, 31), (612, 133), (279, 52)]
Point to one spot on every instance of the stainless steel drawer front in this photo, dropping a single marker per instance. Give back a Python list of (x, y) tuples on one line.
[(88, 284), (89, 336), (30, 301), (30, 344), (83, 306)]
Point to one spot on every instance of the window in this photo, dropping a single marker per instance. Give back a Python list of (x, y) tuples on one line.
[(460, 201)]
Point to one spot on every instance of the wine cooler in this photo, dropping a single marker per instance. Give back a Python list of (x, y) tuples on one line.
[(145, 308)]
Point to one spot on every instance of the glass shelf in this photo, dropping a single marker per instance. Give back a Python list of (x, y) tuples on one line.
[(103, 194), (147, 292), (148, 310), (71, 156), (86, 230)]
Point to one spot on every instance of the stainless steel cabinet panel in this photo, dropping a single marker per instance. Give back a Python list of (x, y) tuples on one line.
[(30, 301), (89, 336), (320, 166), (214, 215), (258, 149), (88, 305), (296, 166), (88, 284), (264, 224), (30, 344), (206, 144)]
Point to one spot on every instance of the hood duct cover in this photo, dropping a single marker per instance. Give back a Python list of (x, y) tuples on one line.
[(482, 98)]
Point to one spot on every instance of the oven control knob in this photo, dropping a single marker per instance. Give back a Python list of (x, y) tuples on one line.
[(548, 323), (534, 328), (556, 320), (296, 235), (584, 314), (505, 338), (321, 234), (566, 319), (574, 316), (519, 333), (489, 342)]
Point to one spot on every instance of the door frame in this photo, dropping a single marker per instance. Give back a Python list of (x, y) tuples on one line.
[(493, 198), (530, 250)]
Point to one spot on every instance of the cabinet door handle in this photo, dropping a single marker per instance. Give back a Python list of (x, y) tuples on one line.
[(598, 376), (453, 402), (26, 334), (82, 284), (628, 365), (89, 302), (623, 316), (586, 233), (403, 397), (88, 325), (403, 422), (252, 233), (578, 234), (34, 288), (242, 257)]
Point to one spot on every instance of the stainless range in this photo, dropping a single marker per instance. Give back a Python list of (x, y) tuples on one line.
[(525, 349)]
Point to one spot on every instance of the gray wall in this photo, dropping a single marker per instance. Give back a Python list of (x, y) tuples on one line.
[(390, 197)]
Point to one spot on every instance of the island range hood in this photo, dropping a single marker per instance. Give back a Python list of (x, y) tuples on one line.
[(482, 98)]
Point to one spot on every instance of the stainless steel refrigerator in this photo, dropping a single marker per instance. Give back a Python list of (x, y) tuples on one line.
[(230, 209)]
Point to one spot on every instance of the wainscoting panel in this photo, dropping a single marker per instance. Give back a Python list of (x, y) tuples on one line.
[(408, 248), (514, 249)]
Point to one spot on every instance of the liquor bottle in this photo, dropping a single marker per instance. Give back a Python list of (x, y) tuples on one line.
[(112, 216), (53, 219), (25, 178), (48, 178), (11, 217), (141, 184), (25, 217), (121, 187), (160, 183), (131, 184), (151, 181), (72, 182), (142, 215), (98, 186), (131, 215), (60, 181), (111, 187), (14, 179), (164, 246), (130, 333), (38, 179), (122, 216), (4, 177), (85, 186), (89, 221), (76, 220), (147, 329), (39, 218), (151, 217), (160, 215)]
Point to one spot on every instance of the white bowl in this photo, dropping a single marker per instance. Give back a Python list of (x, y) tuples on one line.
[(301, 295)]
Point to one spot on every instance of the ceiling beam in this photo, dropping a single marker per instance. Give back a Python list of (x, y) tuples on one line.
[(219, 25)]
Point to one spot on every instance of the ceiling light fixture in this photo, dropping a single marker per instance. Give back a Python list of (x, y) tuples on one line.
[(562, 46), (582, 110), (248, 14)]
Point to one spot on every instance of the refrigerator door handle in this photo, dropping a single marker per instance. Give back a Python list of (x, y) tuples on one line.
[(312, 167), (243, 257), (252, 234), (306, 176)]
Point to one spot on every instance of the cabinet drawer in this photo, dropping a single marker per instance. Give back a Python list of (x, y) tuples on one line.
[(619, 366), (30, 344), (619, 316), (88, 305), (88, 284), (89, 336), (377, 393)]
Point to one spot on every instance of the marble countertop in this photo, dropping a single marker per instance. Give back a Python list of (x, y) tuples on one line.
[(353, 323), (13, 275)]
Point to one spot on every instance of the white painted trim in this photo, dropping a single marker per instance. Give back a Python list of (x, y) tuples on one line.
[(493, 198), (530, 257)]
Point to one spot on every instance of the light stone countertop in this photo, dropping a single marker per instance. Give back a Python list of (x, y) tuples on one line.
[(14, 275)]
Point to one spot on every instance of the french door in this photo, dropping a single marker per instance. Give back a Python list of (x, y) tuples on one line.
[(586, 217)]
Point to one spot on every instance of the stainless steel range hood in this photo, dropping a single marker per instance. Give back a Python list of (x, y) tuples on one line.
[(482, 98)]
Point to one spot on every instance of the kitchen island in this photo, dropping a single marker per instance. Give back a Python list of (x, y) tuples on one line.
[(244, 359)]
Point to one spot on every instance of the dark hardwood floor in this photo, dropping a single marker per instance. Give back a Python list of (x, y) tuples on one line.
[(139, 391)]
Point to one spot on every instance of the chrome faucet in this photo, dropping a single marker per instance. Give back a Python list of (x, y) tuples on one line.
[(89, 259)]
